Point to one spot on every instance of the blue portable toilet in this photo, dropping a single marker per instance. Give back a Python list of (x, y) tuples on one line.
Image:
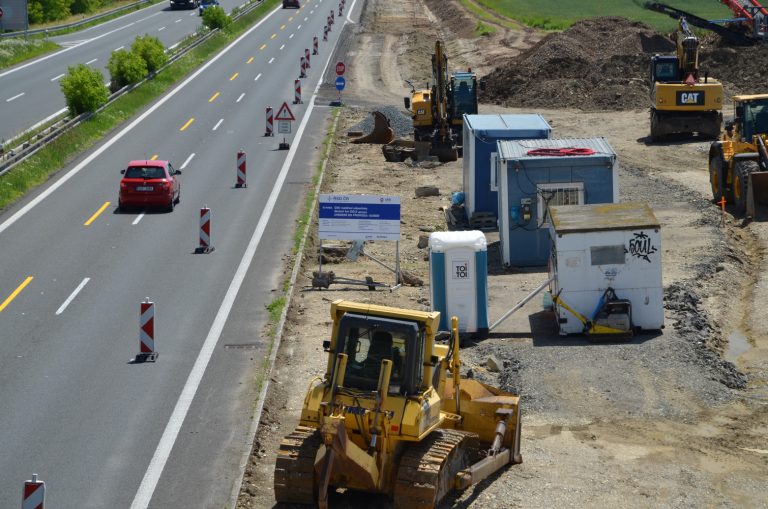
[(458, 279), (534, 175), (481, 132)]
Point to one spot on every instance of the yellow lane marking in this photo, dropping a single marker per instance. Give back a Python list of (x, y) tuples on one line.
[(282, 27), (273, 36), (234, 76), (262, 47), (213, 97), (96, 214), (249, 60), (153, 158), (16, 292), (187, 124), (289, 19)]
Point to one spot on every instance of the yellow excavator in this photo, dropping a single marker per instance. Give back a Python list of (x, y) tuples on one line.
[(682, 101), (738, 162), (393, 415)]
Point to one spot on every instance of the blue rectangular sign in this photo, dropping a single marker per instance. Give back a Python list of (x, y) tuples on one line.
[(359, 217)]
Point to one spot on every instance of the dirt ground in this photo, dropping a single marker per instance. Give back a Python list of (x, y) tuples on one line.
[(677, 419)]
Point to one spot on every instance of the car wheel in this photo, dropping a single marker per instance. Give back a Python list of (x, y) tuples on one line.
[(120, 206), (171, 203), (178, 197)]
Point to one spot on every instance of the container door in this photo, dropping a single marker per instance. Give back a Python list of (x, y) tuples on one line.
[(461, 287)]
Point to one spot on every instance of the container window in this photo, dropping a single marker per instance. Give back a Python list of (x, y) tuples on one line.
[(607, 255), (550, 195)]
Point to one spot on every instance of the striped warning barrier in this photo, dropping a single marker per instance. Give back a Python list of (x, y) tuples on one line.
[(297, 89), (315, 45), (147, 328), (34, 494), (241, 182), (270, 123), (306, 57), (205, 231), (303, 73), (325, 33)]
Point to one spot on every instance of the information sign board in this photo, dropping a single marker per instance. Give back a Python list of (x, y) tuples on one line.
[(359, 217)]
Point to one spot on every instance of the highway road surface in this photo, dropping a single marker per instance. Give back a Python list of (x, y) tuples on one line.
[(30, 92), (103, 432)]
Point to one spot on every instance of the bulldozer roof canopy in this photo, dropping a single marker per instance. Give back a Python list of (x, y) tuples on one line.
[(753, 97)]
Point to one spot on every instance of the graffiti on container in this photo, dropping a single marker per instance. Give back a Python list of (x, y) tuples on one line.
[(641, 246)]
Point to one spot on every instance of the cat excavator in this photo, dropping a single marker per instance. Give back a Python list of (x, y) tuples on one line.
[(682, 101), (393, 415)]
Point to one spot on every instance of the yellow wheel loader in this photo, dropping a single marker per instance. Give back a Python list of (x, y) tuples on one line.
[(738, 162), (392, 415)]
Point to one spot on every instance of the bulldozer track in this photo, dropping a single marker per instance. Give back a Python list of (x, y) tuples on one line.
[(295, 466), (427, 468)]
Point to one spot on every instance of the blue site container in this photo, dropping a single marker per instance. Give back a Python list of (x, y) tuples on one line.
[(529, 184), (458, 279), (481, 132)]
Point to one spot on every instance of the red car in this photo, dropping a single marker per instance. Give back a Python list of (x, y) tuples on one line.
[(149, 184)]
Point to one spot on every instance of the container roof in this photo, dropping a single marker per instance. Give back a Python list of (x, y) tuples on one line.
[(602, 217), (497, 124), (518, 149)]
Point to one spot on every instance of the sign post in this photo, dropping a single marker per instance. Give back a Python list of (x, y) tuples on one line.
[(340, 81), (284, 118)]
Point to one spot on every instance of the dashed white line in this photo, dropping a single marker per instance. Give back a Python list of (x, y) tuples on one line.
[(151, 15), (240, 98), (281, 48), (298, 27), (57, 77), (173, 46), (311, 12), (218, 124), (257, 77), (14, 97), (192, 13), (72, 296), (191, 156), (271, 60), (290, 36), (161, 29), (178, 21), (118, 49), (138, 218), (89, 62), (306, 19)]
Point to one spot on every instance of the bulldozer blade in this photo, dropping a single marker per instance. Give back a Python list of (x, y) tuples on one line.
[(757, 193), (382, 133)]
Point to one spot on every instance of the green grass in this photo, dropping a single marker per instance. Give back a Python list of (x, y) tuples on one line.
[(39, 167), (15, 50), (563, 13), (275, 308)]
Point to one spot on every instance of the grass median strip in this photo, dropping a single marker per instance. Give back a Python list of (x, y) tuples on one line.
[(50, 159)]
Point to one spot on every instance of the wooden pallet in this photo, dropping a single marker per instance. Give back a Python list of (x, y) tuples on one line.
[(485, 221)]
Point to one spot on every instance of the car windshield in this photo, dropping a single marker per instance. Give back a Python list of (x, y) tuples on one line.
[(145, 172)]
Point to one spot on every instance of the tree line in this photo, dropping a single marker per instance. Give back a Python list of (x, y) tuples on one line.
[(41, 11)]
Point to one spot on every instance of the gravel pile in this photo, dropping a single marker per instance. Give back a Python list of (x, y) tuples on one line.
[(398, 121), (602, 64)]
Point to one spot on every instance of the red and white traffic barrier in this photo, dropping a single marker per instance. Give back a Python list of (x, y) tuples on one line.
[(297, 89), (205, 245), (306, 57), (270, 123), (147, 331), (241, 181), (332, 15), (303, 72), (329, 22), (315, 44), (341, 10), (325, 33), (34, 494)]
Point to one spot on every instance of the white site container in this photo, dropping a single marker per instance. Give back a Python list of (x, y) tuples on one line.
[(458, 279), (595, 247)]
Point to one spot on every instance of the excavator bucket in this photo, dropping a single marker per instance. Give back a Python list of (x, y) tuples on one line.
[(445, 152), (757, 193), (382, 133)]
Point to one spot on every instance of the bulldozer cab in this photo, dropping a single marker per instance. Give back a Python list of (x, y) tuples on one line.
[(464, 98), (751, 116), (665, 69), (369, 340)]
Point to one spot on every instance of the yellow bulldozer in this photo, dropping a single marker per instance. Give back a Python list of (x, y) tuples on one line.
[(738, 162), (392, 415), (682, 101)]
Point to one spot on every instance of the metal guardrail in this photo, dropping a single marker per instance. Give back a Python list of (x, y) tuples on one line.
[(14, 156), (72, 25)]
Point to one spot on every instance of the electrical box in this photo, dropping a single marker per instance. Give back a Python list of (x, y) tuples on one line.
[(458, 277)]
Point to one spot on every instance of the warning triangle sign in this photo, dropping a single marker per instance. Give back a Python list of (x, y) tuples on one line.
[(284, 113)]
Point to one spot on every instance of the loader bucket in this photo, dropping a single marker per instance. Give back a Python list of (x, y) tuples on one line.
[(382, 133), (758, 191)]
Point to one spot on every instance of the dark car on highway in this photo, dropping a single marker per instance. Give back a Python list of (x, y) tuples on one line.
[(183, 4), (291, 3), (149, 184), (204, 4)]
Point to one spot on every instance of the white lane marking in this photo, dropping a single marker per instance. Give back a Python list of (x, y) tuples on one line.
[(161, 29), (118, 49), (51, 55), (173, 46), (178, 20), (150, 16), (240, 98), (181, 409), (192, 13), (257, 77), (14, 97), (271, 60), (218, 124), (57, 77), (306, 19), (349, 12), (311, 12), (138, 218), (290, 36), (281, 49), (89, 62), (96, 153), (191, 156), (72, 296)]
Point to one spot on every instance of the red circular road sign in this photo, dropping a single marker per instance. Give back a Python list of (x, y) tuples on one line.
[(1, 12), (340, 68)]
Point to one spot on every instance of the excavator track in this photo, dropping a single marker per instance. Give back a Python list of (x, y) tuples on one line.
[(295, 467), (427, 468)]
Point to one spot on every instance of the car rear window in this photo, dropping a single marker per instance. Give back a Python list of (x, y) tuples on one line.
[(145, 172)]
